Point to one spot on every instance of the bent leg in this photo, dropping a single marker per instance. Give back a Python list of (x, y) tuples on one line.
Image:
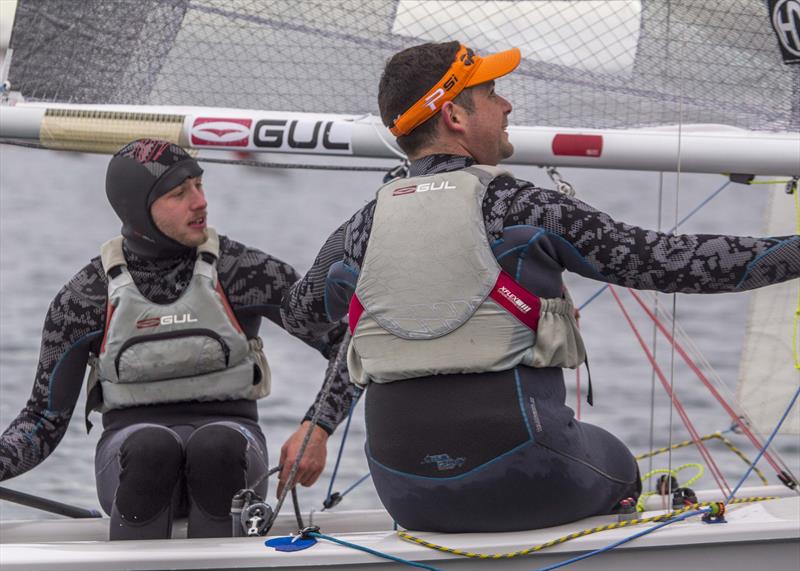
[(221, 459), (137, 469)]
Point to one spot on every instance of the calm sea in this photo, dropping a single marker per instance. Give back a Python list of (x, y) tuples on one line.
[(54, 216)]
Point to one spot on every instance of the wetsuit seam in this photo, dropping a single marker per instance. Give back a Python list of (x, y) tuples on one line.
[(58, 364), (522, 405), (577, 252), (470, 472), (585, 463), (751, 265)]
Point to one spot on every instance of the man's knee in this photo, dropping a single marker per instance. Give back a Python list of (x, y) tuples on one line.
[(151, 460), (216, 467)]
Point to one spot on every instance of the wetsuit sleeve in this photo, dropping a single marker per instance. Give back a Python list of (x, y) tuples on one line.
[(589, 242), (305, 316), (73, 325), (255, 284)]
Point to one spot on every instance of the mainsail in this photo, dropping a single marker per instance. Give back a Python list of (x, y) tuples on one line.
[(769, 373)]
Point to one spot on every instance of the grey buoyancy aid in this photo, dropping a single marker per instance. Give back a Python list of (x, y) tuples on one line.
[(432, 299), (192, 349)]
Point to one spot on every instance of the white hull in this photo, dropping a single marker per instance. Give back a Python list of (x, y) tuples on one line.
[(761, 535)]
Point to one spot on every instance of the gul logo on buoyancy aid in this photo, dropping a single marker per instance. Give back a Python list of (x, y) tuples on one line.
[(432, 299), (190, 350)]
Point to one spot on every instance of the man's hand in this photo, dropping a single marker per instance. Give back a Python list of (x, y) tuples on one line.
[(313, 461)]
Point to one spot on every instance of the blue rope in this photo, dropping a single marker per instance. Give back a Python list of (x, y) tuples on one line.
[(694, 211), (690, 514), (360, 480), (373, 552), (356, 397), (624, 540), (766, 445)]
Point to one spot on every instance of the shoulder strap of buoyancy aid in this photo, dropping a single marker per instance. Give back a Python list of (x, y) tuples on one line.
[(487, 173)]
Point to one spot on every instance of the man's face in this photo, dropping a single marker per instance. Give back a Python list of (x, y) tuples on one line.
[(485, 127), (181, 213)]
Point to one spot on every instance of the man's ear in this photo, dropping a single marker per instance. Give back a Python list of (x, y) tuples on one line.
[(453, 117)]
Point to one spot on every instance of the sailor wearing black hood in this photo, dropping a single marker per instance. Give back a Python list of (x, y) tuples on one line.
[(168, 318)]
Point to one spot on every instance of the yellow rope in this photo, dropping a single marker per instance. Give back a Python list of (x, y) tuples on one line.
[(640, 503), (770, 181), (796, 322), (716, 435), (627, 523)]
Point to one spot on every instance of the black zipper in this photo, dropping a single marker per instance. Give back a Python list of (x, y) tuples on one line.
[(172, 335)]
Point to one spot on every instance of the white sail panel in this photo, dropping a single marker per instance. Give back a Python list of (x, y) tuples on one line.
[(591, 35), (768, 377)]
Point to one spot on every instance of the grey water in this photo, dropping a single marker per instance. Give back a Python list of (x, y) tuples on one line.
[(54, 216)]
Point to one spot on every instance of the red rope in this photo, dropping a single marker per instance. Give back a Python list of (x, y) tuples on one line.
[(715, 471), (736, 418)]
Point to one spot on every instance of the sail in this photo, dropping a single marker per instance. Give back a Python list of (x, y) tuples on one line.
[(769, 372), (588, 64)]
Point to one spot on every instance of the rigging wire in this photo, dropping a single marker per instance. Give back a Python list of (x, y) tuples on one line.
[(691, 213), (702, 377), (655, 338), (676, 404)]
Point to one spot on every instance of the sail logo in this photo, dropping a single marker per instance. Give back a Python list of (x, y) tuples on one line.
[(165, 320), (424, 187), (785, 15), (220, 132), (518, 303)]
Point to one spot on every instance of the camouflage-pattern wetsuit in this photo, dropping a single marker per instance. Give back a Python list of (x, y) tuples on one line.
[(254, 283), (502, 451)]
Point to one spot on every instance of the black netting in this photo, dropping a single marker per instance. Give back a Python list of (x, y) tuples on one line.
[(591, 64)]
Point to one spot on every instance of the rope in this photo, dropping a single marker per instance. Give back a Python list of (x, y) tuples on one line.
[(290, 481), (640, 503), (270, 165), (715, 471), (695, 369), (241, 162), (694, 211), (583, 533), (766, 445), (372, 551), (716, 435), (356, 397), (792, 187)]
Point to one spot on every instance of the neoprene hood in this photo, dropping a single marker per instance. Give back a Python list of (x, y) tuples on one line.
[(138, 174)]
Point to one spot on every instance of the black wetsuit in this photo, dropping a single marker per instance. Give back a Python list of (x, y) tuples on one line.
[(155, 468), (502, 451)]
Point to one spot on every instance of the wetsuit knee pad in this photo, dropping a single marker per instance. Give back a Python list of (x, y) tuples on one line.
[(151, 460), (216, 467)]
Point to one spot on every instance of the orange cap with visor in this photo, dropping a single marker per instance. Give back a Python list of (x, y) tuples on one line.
[(468, 69)]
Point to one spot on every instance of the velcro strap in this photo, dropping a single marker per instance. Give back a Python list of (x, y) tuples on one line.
[(518, 301)]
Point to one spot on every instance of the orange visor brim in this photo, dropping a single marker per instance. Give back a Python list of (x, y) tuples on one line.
[(468, 69)]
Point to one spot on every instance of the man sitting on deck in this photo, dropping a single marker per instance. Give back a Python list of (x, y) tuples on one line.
[(168, 316), (459, 317)]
